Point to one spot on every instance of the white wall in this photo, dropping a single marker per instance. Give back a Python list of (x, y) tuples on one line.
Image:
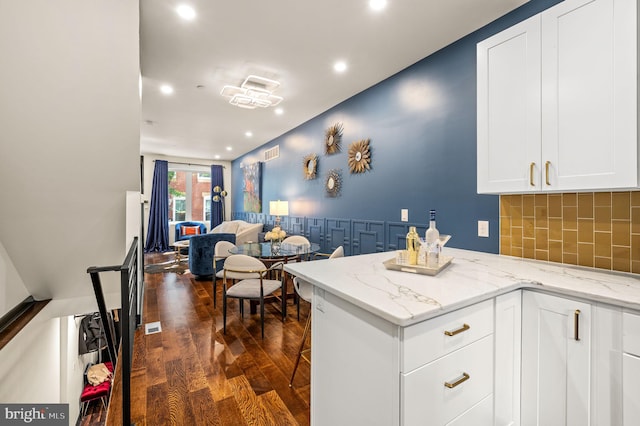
[(30, 364), (41, 364), (149, 165), (12, 289), (69, 138)]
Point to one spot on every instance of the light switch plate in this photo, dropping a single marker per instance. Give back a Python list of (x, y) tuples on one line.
[(404, 215), (483, 228)]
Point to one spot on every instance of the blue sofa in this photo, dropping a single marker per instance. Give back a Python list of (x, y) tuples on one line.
[(201, 249)]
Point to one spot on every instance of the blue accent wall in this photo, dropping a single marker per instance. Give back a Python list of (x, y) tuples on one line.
[(422, 127)]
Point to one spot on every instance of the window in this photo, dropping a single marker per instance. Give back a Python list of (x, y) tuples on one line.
[(204, 177), (179, 210), (189, 195), (207, 206)]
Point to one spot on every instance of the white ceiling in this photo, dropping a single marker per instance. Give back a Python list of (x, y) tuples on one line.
[(293, 41)]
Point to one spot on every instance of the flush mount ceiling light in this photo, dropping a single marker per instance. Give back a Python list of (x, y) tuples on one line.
[(166, 89), (186, 12), (254, 92), (340, 66), (377, 5)]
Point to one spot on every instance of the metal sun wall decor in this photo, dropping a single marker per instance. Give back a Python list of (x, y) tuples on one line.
[(359, 156), (309, 166), (332, 139), (333, 182)]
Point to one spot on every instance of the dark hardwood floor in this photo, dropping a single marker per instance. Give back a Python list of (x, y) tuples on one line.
[(193, 374)]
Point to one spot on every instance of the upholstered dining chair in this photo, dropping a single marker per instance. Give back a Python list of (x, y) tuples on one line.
[(298, 240), (305, 291), (251, 284), (220, 252)]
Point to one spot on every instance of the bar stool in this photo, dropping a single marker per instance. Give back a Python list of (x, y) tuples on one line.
[(305, 292)]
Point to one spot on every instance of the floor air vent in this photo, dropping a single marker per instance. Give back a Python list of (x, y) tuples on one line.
[(152, 328)]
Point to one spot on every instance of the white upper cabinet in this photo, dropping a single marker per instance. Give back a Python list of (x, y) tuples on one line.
[(557, 98), (509, 108)]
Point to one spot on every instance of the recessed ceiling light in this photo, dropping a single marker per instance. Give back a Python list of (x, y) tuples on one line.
[(166, 89), (248, 133), (377, 5), (229, 148), (279, 111), (186, 12), (340, 66), (217, 156)]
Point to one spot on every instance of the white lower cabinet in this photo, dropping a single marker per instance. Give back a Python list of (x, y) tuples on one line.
[(631, 389), (508, 337), (556, 356), (479, 414), (631, 369), (523, 358)]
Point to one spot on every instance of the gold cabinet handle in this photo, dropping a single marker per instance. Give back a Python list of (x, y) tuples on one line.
[(462, 379), (576, 322), (531, 166), (464, 327), (546, 172)]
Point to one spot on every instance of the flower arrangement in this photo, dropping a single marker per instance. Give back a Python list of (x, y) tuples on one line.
[(275, 235)]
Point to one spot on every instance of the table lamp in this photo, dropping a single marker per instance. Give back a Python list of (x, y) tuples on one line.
[(278, 208)]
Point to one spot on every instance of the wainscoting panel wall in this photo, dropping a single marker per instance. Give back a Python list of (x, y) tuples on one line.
[(314, 231), (338, 234), (355, 235), (295, 225), (368, 236)]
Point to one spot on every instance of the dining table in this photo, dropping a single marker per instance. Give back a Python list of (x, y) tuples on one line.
[(270, 253)]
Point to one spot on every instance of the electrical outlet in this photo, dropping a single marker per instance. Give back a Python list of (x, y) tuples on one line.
[(404, 215), (483, 228)]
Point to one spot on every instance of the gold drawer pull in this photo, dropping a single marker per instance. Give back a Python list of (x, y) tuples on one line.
[(531, 166), (464, 327), (546, 172), (462, 379)]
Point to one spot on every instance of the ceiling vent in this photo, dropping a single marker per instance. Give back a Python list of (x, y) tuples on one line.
[(272, 153)]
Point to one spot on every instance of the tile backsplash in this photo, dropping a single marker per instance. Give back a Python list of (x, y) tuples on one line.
[(598, 229)]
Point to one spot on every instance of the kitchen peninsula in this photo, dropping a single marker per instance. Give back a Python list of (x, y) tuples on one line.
[(394, 348)]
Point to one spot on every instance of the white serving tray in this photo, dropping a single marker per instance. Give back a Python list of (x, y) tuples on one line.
[(418, 269)]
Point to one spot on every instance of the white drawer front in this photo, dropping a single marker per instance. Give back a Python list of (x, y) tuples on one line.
[(427, 341), (479, 414), (426, 399), (631, 333), (630, 390)]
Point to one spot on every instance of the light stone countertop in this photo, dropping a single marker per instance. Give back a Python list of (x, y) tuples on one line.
[(405, 298)]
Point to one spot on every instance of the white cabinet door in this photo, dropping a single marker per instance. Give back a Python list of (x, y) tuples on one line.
[(589, 95), (556, 349), (508, 67), (507, 358), (631, 390), (606, 365), (631, 368)]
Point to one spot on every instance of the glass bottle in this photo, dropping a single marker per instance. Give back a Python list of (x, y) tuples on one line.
[(413, 245), (432, 239)]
